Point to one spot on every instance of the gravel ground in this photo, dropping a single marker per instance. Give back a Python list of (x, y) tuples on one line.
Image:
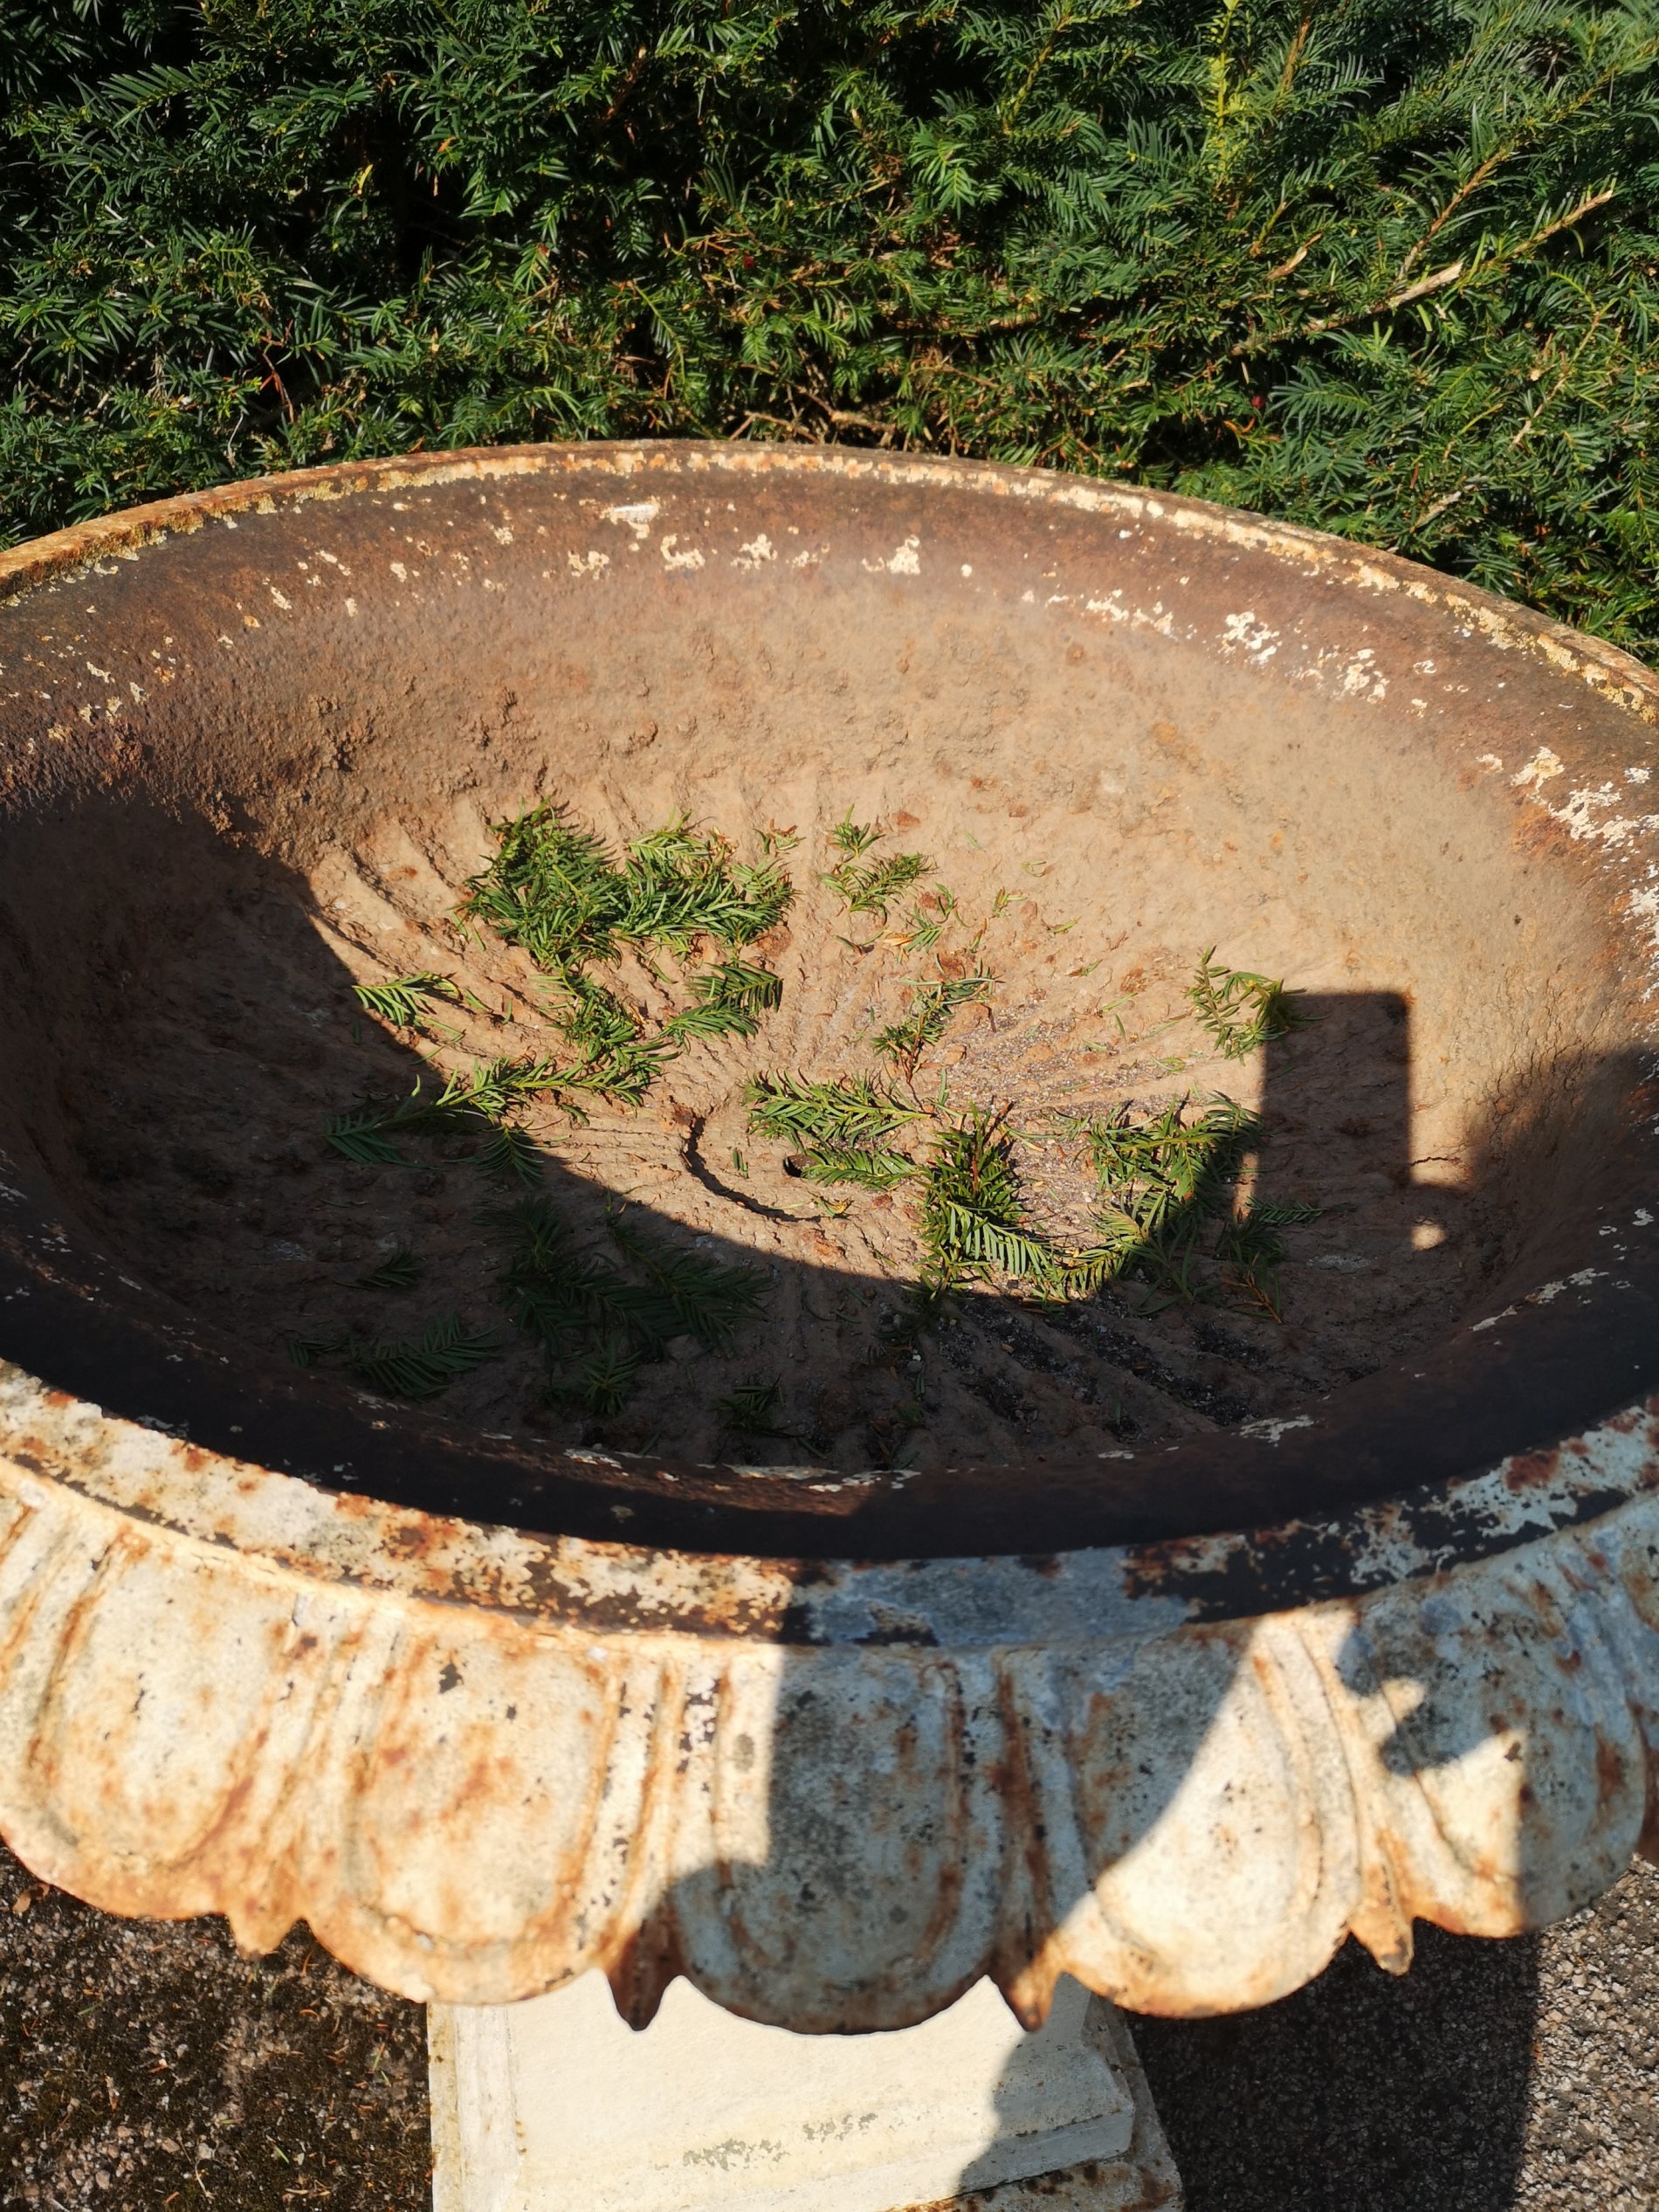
[(147, 2066), (1515, 2077)]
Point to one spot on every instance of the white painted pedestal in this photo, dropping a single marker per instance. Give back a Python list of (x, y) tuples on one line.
[(555, 2105)]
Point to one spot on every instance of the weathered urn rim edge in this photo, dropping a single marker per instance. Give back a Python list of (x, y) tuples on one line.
[(1324, 1474)]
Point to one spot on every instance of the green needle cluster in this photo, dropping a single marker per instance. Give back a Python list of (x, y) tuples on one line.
[(596, 1322), (1170, 1212), (933, 1007), (1240, 1011), (556, 890), (972, 1218), (415, 1367), (870, 886), (401, 1000)]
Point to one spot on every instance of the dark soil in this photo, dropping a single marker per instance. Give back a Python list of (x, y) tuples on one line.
[(146, 2065)]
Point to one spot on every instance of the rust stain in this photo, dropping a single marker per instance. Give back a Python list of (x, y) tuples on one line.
[(1532, 1470)]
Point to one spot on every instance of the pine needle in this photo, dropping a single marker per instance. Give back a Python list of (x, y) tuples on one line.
[(1250, 1250), (933, 1009), (846, 1111), (925, 930), (463, 1104), (729, 1001), (418, 1367), (750, 1409), (852, 837), (873, 1167), (360, 1136), (1164, 1167), (305, 1351), (555, 888), (972, 1220), (423, 1367), (606, 1376), (712, 1301), (402, 999), (1243, 1011), (511, 1153), (870, 888), (554, 1290), (1166, 1180), (401, 1272)]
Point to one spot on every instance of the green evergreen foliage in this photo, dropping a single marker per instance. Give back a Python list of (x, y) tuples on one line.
[(867, 1166), (606, 1376), (401, 1000), (1389, 270), (1250, 1248), (510, 1154), (553, 1289), (870, 887), (1164, 1168), (847, 1111), (470, 1102), (710, 1300), (1168, 1179), (933, 1009), (553, 887), (414, 1368), (730, 1000), (972, 1220), (577, 1305), (1243, 1011), (752, 1408), (400, 1272)]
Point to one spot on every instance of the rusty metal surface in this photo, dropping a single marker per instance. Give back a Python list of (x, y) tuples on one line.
[(229, 1692), (811, 1747)]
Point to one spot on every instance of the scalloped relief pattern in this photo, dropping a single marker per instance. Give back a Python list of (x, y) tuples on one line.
[(471, 1805)]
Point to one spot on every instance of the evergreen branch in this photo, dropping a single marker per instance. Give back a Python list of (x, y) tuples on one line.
[(871, 1167), (933, 1007), (1243, 1011), (872, 890), (605, 1378), (711, 1301), (870, 887), (855, 1111), (972, 1221), (730, 1000), (402, 999), (750, 1409), (400, 1272), (552, 1290), (418, 1367), (511, 1154)]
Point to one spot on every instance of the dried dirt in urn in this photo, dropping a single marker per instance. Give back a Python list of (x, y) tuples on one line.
[(201, 1129)]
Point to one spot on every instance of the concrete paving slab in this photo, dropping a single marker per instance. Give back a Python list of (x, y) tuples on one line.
[(557, 2106)]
